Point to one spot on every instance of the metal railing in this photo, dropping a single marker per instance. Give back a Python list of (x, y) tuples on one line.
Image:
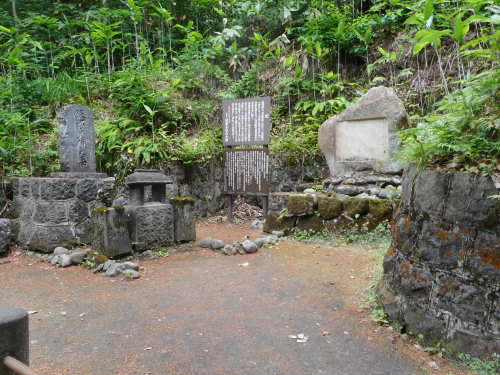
[(17, 366)]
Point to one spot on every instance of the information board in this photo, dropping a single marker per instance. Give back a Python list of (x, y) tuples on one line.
[(246, 171), (246, 121)]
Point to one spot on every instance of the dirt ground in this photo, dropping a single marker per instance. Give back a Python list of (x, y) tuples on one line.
[(203, 313)]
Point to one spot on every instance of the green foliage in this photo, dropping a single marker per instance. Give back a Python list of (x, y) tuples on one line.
[(482, 367), (464, 128)]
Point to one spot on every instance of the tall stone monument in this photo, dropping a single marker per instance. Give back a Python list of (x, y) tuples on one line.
[(76, 142), (363, 137), (56, 211)]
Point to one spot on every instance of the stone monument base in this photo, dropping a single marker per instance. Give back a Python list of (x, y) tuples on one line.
[(78, 175), (51, 212)]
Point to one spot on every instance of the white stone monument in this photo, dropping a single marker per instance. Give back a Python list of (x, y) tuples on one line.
[(363, 136)]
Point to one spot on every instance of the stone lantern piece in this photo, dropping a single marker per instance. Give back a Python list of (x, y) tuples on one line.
[(141, 179), (151, 222)]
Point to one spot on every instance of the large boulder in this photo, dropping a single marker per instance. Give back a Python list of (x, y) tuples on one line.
[(363, 136)]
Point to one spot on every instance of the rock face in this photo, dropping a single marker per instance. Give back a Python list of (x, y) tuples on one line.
[(5, 235), (442, 273), (52, 212), (363, 136)]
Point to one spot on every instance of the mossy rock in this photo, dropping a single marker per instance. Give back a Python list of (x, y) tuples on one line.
[(98, 258), (182, 200), (355, 207), (329, 207), (310, 223), (300, 204), (380, 208), (274, 223)]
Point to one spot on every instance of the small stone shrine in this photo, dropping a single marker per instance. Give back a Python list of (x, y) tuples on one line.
[(56, 211), (151, 223)]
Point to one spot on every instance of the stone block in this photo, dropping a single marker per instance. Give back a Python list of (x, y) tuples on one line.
[(300, 204), (484, 259), (419, 321), (441, 247), (277, 203), (310, 223), (78, 211), (50, 213), (355, 207), (110, 236), (467, 302), (151, 226), (468, 200), (5, 235), (86, 189), (415, 282), (184, 219), (22, 187), (481, 346), (46, 238), (405, 233), (329, 207), (278, 223), (83, 231), (57, 188), (430, 192)]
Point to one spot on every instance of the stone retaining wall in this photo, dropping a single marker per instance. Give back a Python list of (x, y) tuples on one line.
[(52, 212), (442, 273), (315, 212)]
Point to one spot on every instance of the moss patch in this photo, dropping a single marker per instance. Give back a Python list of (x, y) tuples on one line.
[(98, 258), (355, 207), (329, 207), (182, 200), (310, 223), (300, 204), (274, 223)]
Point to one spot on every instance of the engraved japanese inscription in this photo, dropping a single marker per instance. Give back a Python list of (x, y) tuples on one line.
[(246, 171), (246, 121), (76, 139)]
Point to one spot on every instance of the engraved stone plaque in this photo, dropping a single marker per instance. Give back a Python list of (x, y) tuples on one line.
[(358, 140), (246, 171), (246, 121), (76, 139)]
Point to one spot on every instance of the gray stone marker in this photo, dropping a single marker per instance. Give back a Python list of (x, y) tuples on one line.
[(110, 235), (5, 235), (14, 336), (363, 137), (76, 142)]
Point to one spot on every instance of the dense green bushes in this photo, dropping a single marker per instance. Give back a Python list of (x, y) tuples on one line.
[(154, 72)]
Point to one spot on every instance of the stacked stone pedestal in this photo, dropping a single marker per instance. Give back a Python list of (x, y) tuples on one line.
[(442, 273), (53, 212), (151, 225)]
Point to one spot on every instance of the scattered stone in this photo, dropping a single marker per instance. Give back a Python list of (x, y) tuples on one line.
[(130, 266), (55, 260), (131, 274), (115, 269), (272, 239), (433, 365), (147, 254), (278, 233), (64, 260), (229, 250), (77, 257), (60, 251), (206, 242), (309, 191), (106, 265), (217, 244), (260, 242), (246, 264), (256, 224), (250, 246)]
